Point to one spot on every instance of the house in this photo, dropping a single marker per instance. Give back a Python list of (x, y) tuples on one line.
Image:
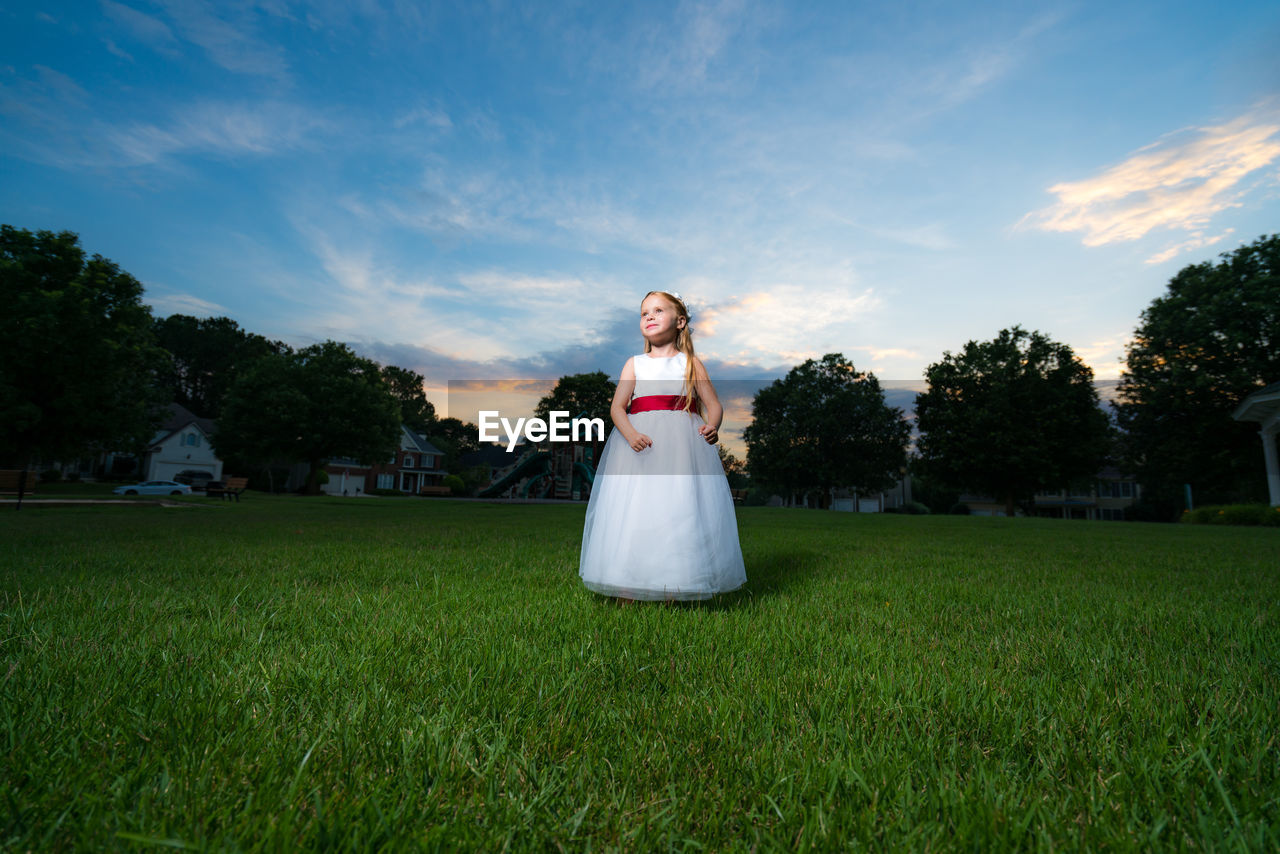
[(415, 464), (892, 498), (1104, 498), (181, 444), (1263, 406)]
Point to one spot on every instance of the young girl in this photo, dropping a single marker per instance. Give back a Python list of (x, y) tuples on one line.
[(660, 522)]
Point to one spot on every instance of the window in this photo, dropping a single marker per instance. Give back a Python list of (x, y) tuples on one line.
[(408, 461), (386, 481), (1126, 489), (193, 440)]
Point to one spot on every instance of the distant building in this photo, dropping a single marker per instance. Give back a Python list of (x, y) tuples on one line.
[(1104, 498), (892, 498), (1263, 406), (416, 464), (181, 445)]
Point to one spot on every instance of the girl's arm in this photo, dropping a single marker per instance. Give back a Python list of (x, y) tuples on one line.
[(710, 402), (618, 409)]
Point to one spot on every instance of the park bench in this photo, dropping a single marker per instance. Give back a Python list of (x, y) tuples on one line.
[(435, 490), (227, 489), (9, 481)]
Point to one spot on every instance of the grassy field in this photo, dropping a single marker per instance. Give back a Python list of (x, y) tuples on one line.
[(323, 673)]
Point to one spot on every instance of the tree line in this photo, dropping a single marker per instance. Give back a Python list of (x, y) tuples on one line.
[(1020, 414), (84, 366)]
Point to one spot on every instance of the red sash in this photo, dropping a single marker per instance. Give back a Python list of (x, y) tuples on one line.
[(651, 402)]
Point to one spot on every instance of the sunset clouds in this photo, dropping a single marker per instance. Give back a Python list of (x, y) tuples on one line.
[(487, 190), (1178, 183)]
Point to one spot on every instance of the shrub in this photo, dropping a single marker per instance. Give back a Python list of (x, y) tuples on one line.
[(915, 508), (388, 493), (959, 509), (456, 484), (1234, 514), (50, 476)]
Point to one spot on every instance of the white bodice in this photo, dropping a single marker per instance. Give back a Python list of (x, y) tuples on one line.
[(659, 376)]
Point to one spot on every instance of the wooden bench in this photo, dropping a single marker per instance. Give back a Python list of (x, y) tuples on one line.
[(435, 490), (9, 481), (227, 489)]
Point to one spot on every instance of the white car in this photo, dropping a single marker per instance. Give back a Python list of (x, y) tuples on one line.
[(154, 487)]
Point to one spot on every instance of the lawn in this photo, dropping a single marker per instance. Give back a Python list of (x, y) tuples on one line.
[(329, 673)]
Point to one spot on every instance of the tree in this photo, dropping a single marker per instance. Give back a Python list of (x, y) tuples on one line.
[(417, 413), (206, 357), (735, 470), (823, 426), (579, 394), (321, 402), (77, 358), (1010, 417), (1207, 343), (455, 437)]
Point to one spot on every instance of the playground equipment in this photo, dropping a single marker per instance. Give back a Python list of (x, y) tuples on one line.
[(564, 470)]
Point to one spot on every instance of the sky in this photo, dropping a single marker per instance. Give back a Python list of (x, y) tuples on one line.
[(486, 190)]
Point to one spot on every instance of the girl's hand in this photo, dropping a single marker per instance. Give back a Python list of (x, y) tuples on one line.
[(711, 434), (640, 442)]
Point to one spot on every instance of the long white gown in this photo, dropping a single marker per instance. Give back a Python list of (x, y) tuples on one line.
[(660, 522)]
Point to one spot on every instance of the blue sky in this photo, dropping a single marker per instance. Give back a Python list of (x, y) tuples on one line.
[(487, 190)]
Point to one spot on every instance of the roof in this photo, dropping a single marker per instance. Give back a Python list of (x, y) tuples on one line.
[(420, 441), (177, 417), (1262, 405)]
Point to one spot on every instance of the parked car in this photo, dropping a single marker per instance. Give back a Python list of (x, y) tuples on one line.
[(154, 487), (194, 478)]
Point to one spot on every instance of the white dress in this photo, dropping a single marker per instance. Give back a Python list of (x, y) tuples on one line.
[(660, 522)]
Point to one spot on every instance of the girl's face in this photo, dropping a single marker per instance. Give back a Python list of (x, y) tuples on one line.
[(660, 320)]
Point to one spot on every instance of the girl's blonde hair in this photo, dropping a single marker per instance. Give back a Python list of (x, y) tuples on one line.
[(684, 344)]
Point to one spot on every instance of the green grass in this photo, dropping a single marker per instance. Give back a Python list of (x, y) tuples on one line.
[(321, 673)]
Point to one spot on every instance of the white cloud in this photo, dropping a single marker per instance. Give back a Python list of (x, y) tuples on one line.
[(784, 323), (1178, 183), (227, 129), (152, 31), (1197, 241), (178, 303), (479, 316), (229, 43), (1105, 356), (432, 117)]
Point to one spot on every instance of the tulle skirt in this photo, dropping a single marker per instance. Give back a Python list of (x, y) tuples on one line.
[(660, 523)]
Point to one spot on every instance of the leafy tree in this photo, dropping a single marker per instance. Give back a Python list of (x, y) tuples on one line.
[(418, 413), (321, 402), (938, 498), (1010, 417), (577, 394), (77, 357), (455, 437), (735, 470), (1211, 340), (206, 357), (825, 425)]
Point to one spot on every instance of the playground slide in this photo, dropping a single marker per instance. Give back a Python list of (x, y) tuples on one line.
[(538, 463)]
